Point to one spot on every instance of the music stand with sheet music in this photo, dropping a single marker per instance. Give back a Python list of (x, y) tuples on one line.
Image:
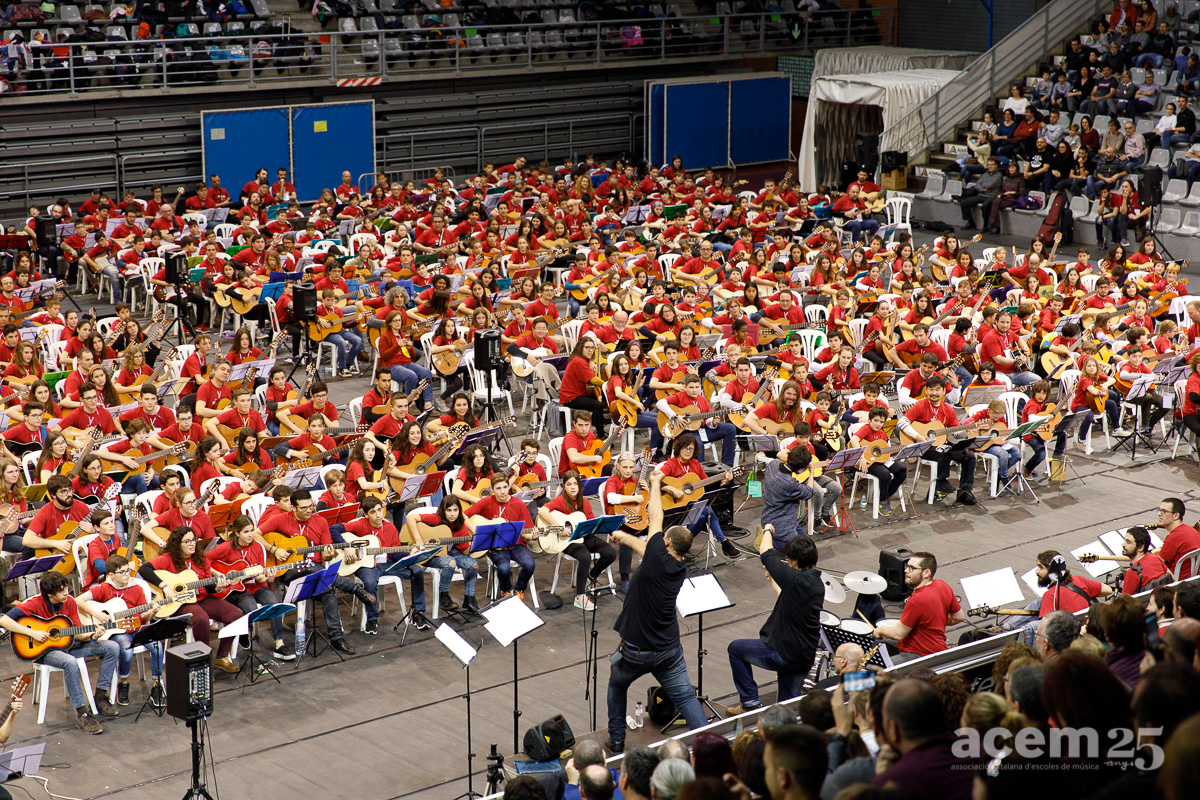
[(1018, 476), (149, 636), (340, 515), (1141, 387), (462, 650), (839, 462), (309, 587), (303, 478), (499, 535), (393, 568), (698, 596), (421, 486), (508, 620), (30, 567), (485, 438), (21, 761), (222, 515), (254, 665)]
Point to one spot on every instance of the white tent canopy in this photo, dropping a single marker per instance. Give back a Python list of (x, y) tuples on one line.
[(838, 99), (878, 58)]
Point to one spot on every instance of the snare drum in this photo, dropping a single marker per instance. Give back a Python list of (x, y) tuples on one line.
[(856, 626), (830, 619)]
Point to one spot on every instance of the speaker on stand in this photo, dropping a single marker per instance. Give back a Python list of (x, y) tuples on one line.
[(1150, 193), (46, 230), (489, 359), (188, 672), (892, 561), (304, 307), (866, 145)]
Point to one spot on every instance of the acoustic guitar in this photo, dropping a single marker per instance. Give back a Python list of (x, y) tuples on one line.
[(11, 519), (62, 635), (693, 487), (624, 410), (989, 611), (338, 319), (240, 566), (152, 378), (689, 418), (437, 534), (447, 361), (297, 548), (240, 298), (751, 402), (20, 684), (151, 457), (554, 538), (936, 432), (184, 586), (602, 448), (119, 611), (369, 547), (637, 516)]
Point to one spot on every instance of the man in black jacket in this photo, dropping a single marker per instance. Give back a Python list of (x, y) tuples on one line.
[(787, 643), (982, 193)]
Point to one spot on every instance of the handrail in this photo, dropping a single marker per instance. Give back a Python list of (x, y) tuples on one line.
[(546, 125), (937, 117), (354, 58), (26, 165)]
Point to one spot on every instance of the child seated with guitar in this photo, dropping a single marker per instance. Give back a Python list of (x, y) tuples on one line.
[(682, 463), (450, 515), (553, 514)]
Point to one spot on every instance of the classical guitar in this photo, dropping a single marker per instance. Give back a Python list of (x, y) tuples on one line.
[(936, 432), (989, 611), (11, 519), (624, 410), (119, 611), (554, 538), (163, 360), (602, 448), (62, 635), (447, 361), (20, 684), (152, 457), (751, 402), (690, 418), (369, 547), (241, 298), (184, 586), (241, 567), (693, 487), (637, 512), (150, 549), (422, 464), (297, 548)]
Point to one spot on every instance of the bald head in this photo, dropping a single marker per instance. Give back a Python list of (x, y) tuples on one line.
[(596, 783), (847, 657), (1182, 641)]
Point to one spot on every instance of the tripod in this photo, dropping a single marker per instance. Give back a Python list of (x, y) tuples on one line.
[(489, 410), (198, 788)]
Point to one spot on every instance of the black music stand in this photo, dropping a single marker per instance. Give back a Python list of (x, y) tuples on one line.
[(697, 596), (309, 587), (461, 649), (509, 620), (607, 524), (254, 665), (32, 566), (160, 630)]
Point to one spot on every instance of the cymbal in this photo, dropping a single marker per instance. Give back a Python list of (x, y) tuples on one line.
[(829, 618), (864, 582), (834, 593)]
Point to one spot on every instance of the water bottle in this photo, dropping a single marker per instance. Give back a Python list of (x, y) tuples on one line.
[(639, 714), (630, 722), (862, 504), (299, 641)]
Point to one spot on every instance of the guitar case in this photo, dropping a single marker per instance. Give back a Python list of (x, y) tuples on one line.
[(551, 601)]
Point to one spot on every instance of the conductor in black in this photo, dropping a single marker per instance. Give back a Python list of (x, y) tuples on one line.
[(648, 627)]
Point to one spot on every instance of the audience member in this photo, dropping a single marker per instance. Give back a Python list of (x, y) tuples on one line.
[(794, 761), (669, 777), (636, 770), (922, 764), (1055, 633), (712, 755)]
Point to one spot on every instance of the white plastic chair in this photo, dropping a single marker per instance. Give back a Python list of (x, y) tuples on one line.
[(41, 686), (872, 486), (1191, 560), (898, 210)]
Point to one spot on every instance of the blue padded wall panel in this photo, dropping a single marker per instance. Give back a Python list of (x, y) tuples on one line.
[(697, 124), (760, 120), (237, 143), (327, 139), (655, 112)]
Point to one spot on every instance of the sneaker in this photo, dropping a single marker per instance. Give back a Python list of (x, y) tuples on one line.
[(624, 585), (372, 628), (965, 497), (157, 699), (122, 694), (1121, 432), (729, 549), (584, 602), (520, 593), (885, 508), (284, 652), (943, 488), (614, 747), (342, 646), (420, 622), (88, 724), (243, 641), (105, 708), (227, 664)]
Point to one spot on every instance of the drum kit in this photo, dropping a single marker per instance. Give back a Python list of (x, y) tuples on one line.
[(861, 582)]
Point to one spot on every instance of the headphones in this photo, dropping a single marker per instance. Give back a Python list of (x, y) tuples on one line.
[(1057, 569)]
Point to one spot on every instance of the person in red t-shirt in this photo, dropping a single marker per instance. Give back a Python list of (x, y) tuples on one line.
[(933, 408), (1064, 591), (118, 584), (374, 525), (714, 430), (568, 504), (921, 630), (579, 380), (1145, 567), (449, 514), (683, 462), (54, 600), (500, 506), (1180, 539), (890, 474)]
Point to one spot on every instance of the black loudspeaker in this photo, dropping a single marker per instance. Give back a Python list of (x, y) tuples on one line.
[(546, 740), (488, 355), (849, 174), (891, 568), (891, 160), (46, 230), (867, 147), (176, 265), (188, 681), (304, 301), (659, 707), (1150, 192)]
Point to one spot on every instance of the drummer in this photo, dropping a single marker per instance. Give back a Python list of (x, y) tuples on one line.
[(921, 629)]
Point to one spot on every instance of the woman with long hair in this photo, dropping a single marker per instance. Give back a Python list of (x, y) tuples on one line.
[(207, 463), (476, 466), (134, 366), (447, 338), (25, 362), (620, 387), (572, 501), (1092, 384), (580, 383), (461, 411), (449, 514), (55, 454), (242, 349), (1191, 398), (247, 454), (99, 349), (12, 493), (132, 334), (183, 553), (359, 472)]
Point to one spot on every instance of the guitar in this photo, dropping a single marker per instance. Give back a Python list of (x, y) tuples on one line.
[(118, 611), (129, 551), (318, 455), (11, 519), (1091, 558), (20, 684), (938, 269), (988, 611), (1053, 363), (252, 373), (693, 487), (447, 361), (689, 418), (150, 549), (554, 538), (677, 376), (624, 410), (463, 428), (600, 448), (241, 566), (533, 485), (379, 476), (143, 461), (768, 335), (637, 511), (751, 402), (184, 586), (297, 547), (152, 378), (936, 432), (422, 464), (385, 408), (369, 547), (62, 635), (338, 319), (522, 368), (241, 298)]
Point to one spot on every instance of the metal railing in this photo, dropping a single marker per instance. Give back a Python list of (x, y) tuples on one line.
[(937, 117), (251, 61)]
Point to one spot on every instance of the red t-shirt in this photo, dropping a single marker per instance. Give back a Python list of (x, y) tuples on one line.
[(925, 613), (1182, 540), (1060, 598), (164, 562)]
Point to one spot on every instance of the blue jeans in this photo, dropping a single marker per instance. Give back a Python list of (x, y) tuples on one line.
[(965, 171), (125, 640), (723, 432), (503, 560), (649, 420), (447, 563), (1007, 458), (861, 229), (416, 578), (1087, 416), (1038, 448), (349, 345), (668, 667), (110, 651), (409, 375), (1023, 378), (708, 520), (136, 484), (1174, 139), (744, 654)]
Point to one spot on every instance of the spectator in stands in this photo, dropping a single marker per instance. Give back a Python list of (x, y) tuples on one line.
[(1125, 631), (1055, 633), (921, 762), (1052, 130), (1016, 101), (1057, 99), (1002, 141), (669, 777), (1187, 166), (636, 770), (1023, 690), (1076, 58), (1114, 60), (1134, 154), (1012, 188), (1108, 170), (1189, 76), (795, 761), (1163, 129), (1081, 692), (1112, 138), (1126, 92), (1102, 99), (1162, 47), (1038, 168), (712, 756), (1025, 136), (596, 783), (1058, 176)]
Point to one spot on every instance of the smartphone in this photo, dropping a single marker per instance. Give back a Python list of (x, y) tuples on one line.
[(860, 681), (1152, 638)]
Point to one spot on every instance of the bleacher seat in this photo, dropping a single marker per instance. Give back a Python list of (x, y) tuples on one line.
[(1159, 158), (1193, 196), (348, 26), (1176, 189), (261, 9), (1169, 220), (952, 187), (70, 15), (1034, 196), (1190, 225)]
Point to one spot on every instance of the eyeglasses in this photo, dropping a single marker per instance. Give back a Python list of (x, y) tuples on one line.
[(188, 540), (911, 568)]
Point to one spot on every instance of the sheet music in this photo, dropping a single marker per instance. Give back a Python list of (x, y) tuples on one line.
[(459, 647), (1115, 540), (996, 588), (510, 620), (1096, 568), (701, 594)]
